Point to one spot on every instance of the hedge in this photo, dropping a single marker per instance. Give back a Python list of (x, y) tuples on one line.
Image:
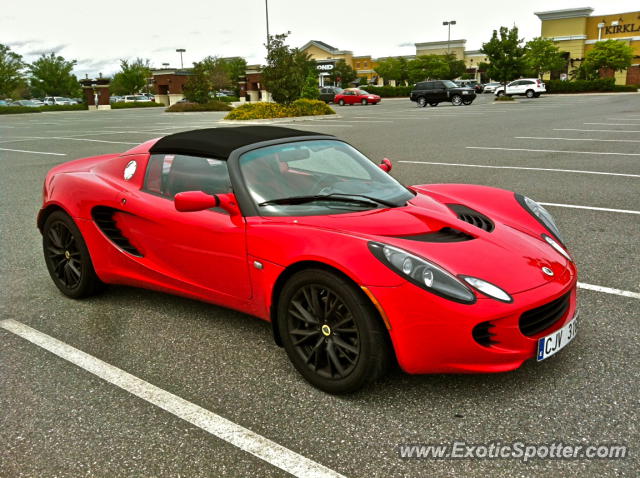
[(187, 107), (78, 107), (301, 107), (8, 110), (581, 86), (120, 105), (388, 91), (228, 99)]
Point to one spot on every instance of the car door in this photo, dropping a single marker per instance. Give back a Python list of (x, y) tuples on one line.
[(202, 249), (439, 92), (514, 88)]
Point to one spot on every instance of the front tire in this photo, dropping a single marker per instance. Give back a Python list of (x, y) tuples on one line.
[(500, 93), (67, 257), (341, 102), (456, 100), (364, 102), (331, 332), (422, 102)]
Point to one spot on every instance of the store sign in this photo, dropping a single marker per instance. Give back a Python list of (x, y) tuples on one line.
[(324, 66), (626, 28)]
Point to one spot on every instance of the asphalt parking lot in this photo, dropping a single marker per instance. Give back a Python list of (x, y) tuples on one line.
[(578, 155)]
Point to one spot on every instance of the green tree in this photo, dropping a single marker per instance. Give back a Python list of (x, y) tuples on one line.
[(456, 67), (483, 68), (311, 89), (427, 67), (391, 68), (543, 56), (609, 55), (11, 67), (287, 70), (506, 55), (236, 69), (51, 75), (209, 75), (133, 77), (342, 74)]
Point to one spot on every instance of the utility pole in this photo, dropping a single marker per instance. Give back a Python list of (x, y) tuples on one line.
[(266, 8), (448, 24)]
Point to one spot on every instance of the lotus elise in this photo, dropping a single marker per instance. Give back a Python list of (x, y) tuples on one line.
[(353, 270)]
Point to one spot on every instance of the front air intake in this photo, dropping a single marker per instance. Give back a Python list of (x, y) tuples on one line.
[(536, 320)]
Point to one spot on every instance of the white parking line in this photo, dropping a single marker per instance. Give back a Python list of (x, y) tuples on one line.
[(551, 151), (598, 130), (582, 139), (624, 119), (226, 430), (524, 168), (591, 208), (31, 152), (609, 290), (614, 124)]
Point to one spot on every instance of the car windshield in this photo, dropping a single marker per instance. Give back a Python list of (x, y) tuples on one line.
[(362, 92), (449, 84), (317, 177)]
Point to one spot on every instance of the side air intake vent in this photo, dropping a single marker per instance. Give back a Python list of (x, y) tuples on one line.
[(483, 335), (446, 234), (472, 217), (103, 217)]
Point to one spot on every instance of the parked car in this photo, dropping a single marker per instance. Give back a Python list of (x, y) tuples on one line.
[(478, 88), (328, 93), (529, 87), (56, 100), (38, 102), (438, 91), (4, 103), (491, 87), (351, 96), (149, 96), (28, 103), (116, 99), (71, 101), (135, 99), (353, 270)]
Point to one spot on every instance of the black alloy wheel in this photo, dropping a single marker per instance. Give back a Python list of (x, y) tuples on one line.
[(331, 332), (67, 257), (456, 100)]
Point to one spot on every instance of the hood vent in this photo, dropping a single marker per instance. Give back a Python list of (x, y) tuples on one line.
[(103, 217), (474, 218), (446, 234)]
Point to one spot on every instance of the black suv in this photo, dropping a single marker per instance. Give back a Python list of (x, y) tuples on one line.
[(327, 93), (437, 91)]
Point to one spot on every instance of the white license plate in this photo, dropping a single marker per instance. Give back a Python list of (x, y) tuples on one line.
[(466, 92), (553, 343)]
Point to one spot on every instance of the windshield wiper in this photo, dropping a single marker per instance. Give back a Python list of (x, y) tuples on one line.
[(351, 198)]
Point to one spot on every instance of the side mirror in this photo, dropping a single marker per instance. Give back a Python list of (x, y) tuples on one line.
[(191, 201), (385, 165)]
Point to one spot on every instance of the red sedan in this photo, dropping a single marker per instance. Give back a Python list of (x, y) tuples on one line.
[(351, 96), (352, 269)]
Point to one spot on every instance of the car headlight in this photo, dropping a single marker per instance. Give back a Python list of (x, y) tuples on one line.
[(423, 273), (557, 247), (487, 288), (541, 214)]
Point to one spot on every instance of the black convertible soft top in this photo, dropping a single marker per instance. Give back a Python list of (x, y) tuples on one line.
[(220, 142)]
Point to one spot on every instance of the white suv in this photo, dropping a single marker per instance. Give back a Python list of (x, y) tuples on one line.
[(56, 100), (529, 87)]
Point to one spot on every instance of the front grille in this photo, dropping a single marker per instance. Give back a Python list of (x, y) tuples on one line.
[(474, 218), (103, 217), (446, 234), (483, 335), (536, 320)]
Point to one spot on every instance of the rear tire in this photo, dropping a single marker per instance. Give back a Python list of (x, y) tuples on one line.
[(530, 94), (67, 257), (331, 332)]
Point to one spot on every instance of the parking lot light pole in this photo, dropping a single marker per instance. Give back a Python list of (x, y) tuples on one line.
[(266, 9), (448, 24), (181, 51)]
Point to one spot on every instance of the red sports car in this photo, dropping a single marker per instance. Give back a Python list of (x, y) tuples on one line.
[(353, 269), (351, 96)]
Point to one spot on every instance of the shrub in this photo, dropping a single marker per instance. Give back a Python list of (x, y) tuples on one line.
[(301, 107), (388, 91), (581, 86), (138, 104), (187, 107), (8, 110), (78, 107), (626, 87)]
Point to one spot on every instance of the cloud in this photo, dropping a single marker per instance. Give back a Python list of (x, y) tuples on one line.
[(45, 50), (18, 44), (406, 44)]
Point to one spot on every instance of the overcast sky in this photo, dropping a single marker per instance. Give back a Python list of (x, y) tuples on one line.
[(98, 34)]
